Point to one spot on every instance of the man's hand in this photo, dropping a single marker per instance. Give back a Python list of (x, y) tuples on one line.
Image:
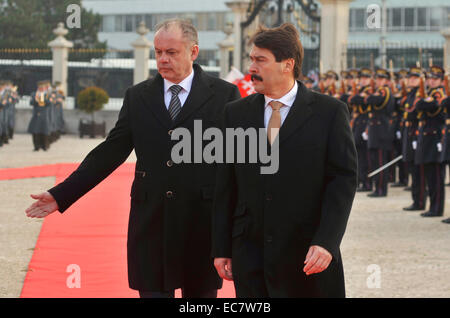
[(44, 205), (223, 268), (317, 260)]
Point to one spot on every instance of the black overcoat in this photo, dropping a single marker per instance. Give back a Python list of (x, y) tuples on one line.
[(169, 230), (267, 222)]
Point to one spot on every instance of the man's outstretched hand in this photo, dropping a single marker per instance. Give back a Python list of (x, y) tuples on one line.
[(44, 205)]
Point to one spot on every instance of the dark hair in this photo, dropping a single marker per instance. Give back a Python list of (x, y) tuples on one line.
[(283, 42)]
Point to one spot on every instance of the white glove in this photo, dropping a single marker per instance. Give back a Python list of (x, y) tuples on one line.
[(398, 134), (414, 145), (439, 147), (365, 136)]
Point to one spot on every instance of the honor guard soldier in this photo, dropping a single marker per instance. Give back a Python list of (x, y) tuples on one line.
[(4, 113), (2, 108), (330, 83), (321, 84), (60, 98), (409, 140), (380, 141), (359, 125), (345, 88), (429, 147), (397, 127), (39, 125), (309, 82), (13, 99), (445, 103)]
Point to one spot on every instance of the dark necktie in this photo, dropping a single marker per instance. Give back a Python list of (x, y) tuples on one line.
[(175, 104)]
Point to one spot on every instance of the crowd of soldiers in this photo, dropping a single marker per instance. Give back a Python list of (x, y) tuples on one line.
[(401, 122), (47, 122), (8, 100)]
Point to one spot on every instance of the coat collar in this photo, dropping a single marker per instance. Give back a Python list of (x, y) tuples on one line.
[(299, 113), (153, 94)]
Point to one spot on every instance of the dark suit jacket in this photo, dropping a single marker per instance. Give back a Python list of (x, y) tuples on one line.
[(266, 223), (170, 219)]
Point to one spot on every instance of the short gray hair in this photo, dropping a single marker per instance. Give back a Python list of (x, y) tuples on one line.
[(187, 28)]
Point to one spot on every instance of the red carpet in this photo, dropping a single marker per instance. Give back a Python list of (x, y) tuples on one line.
[(82, 253)]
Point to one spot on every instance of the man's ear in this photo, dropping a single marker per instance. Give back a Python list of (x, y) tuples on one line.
[(194, 52), (288, 65)]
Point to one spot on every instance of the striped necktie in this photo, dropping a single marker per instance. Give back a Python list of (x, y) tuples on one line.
[(175, 104)]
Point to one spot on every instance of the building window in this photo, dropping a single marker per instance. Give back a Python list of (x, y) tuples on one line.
[(422, 20), (129, 23), (118, 23), (435, 18), (360, 19), (108, 23), (409, 18), (397, 18)]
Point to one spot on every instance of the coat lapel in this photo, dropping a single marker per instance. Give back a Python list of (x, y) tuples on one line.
[(255, 113), (298, 114), (153, 96), (200, 93)]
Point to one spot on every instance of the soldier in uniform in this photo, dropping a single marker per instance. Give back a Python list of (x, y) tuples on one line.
[(330, 83), (359, 125), (4, 114), (397, 128), (379, 139), (2, 108), (445, 155), (60, 98), (309, 82), (409, 142), (13, 99), (429, 147), (39, 125)]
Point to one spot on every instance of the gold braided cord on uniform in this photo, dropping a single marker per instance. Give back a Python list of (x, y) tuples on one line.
[(385, 102), (440, 93)]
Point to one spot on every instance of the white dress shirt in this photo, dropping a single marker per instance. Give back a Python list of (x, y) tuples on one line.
[(287, 100), (186, 84)]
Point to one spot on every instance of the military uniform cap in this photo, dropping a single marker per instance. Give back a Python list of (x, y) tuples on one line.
[(366, 72), (383, 73), (403, 73), (332, 73), (415, 71), (353, 73), (437, 72)]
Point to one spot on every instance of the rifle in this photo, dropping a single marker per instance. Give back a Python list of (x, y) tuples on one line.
[(446, 87), (422, 91), (343, 88), (321, 87), (404, 90), (333, 89), (372, 86), (391, 71)]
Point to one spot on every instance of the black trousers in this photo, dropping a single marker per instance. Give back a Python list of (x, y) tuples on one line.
[(377, 159), (418, 186), (185, 293), (364, 167), (435, 176), (41, 141)]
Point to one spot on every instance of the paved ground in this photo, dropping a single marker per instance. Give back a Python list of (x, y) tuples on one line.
[(387, 252)]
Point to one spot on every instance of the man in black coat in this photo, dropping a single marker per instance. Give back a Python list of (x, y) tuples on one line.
[(169, 231), (278, 235)]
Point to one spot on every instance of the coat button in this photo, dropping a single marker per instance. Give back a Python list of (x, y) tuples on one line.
[(169, 194), (169, 163), (269, 239), (269, 197)]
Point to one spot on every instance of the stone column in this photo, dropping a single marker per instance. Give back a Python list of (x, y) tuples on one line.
[(333, 33), (239, 8), (60, 52), (446, 64), (226, 47), (141, 55)]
